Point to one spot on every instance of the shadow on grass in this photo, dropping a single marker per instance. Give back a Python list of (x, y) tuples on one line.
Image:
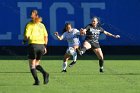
[(128, 74), (57, 73), (121, 74), (84, 57), (12, 72)]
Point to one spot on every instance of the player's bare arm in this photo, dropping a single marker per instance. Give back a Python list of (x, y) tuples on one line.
[(109, 34), (57, 35)]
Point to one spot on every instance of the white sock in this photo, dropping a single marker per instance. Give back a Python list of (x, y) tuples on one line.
[(64, 65), (101, 67), (74, 56)]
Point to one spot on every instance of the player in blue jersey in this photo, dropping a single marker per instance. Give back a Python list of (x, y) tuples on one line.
[(71, 35), (92, 32)]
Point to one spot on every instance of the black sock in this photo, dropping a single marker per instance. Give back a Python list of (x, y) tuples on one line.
[(44, 73), (39, 68), (34, 74), (101, 62), (84, 50)]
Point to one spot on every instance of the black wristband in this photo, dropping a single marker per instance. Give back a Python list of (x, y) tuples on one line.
[(45, 45), (24, 41)]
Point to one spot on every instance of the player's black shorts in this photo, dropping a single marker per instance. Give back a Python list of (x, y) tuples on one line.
[(36, 51), (93, 44)]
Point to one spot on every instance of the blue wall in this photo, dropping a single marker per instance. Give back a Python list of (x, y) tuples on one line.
[(117, 16)]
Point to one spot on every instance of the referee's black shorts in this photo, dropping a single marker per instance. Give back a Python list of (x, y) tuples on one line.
[(93, 44), (36, 51)]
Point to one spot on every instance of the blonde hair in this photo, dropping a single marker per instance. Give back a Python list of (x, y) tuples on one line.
[(38, 19)]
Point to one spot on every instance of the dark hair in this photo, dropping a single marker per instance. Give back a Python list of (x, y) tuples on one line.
[(98, 19), (64, 30)]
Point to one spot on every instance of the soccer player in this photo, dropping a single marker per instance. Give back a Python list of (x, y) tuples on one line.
[(71, 35), (37, 37), (92, 32)]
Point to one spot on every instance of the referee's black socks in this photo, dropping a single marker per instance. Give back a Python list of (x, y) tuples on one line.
[(40, 68), (34, 74), (44, 73)]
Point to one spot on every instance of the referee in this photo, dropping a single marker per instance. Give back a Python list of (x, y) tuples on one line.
[(37, 37)]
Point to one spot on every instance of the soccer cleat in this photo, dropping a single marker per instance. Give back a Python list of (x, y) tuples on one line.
[(101, 70), (46, 78), (36, 83), (72, 63), (80, 52), (64, 71)]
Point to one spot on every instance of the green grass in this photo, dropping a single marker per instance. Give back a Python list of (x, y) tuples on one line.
[(121, 76)]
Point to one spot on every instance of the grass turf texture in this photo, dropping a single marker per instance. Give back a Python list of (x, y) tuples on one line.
[(120, 76)]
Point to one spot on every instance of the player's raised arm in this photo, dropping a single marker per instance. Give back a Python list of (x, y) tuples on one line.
[(109, 34), (57, 35)]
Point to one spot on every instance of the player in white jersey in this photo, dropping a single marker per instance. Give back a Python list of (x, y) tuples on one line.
[(71, 35)]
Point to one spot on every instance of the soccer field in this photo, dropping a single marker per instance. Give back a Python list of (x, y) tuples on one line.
[(120, 76)]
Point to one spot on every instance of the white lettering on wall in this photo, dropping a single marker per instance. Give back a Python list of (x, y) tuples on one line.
[(53, 15), (23, 14), (7, 36), (86, 10)]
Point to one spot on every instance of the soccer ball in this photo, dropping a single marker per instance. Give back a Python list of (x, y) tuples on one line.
[(70, 51)]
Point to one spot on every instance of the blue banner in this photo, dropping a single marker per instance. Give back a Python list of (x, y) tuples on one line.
[(117, 16)]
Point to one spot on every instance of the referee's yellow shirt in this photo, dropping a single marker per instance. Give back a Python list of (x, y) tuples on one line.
[(36, 33)]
